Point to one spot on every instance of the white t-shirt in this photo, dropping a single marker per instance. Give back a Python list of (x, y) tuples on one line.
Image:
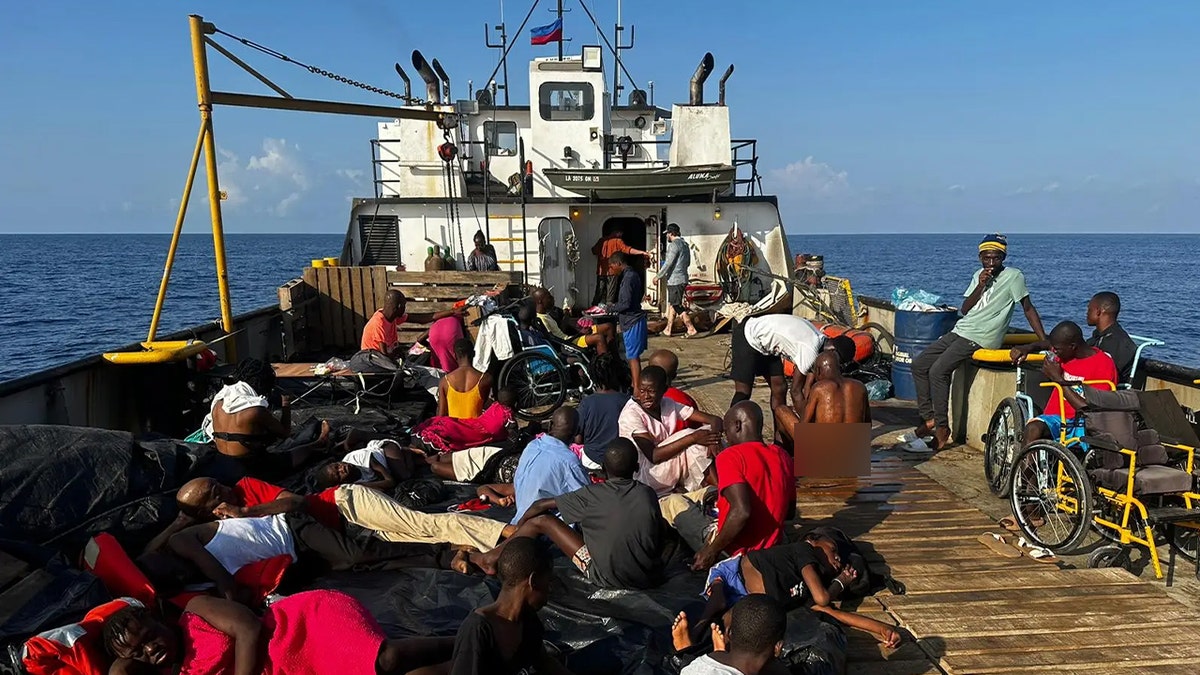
[(707, 665), (362, 458), (243, 541), (785, 335)]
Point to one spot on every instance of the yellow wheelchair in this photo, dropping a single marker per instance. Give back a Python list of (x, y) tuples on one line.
[(1135, 484)]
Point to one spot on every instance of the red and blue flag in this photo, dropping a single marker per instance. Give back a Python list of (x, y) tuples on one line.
[(542, 35)]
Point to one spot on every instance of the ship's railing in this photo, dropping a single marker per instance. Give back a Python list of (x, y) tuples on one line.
[(744, 160)]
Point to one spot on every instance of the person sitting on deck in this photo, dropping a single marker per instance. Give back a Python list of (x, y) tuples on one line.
[(507, 637), (1072, 361), (599, 412), (380, 332), (464, 390), (793, 574), (547, 468), (242, 428), (669, 362), (204, 500), (309, 633), (987, 310), (1109, 336), (450, 434), (670, 458), (622, 533), (483, 258), (757, 489), (749, 645), (602, 337), (833, 399), (377, 466), (630, 315)]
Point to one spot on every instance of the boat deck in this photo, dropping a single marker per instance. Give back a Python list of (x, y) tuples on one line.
[(970, 610)]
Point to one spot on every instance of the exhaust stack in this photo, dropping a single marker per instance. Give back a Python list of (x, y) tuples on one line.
[(437, 68), (696, 88), (721, 85), (407, 82), (433, 92)]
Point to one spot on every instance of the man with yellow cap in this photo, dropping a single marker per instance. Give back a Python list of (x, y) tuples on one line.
[(987, 310)]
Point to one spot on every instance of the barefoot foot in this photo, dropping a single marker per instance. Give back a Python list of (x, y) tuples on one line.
[(941, 438), (323, 439), (679, 633), (461, 562)]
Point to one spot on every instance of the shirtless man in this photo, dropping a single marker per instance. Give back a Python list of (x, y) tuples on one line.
[(601, 338), (242, 427), (833, 399)]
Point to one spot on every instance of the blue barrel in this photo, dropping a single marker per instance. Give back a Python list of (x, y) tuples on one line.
[(914, 332)]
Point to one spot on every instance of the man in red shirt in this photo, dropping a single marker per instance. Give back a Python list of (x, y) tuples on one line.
[(669, 362), (756, 488), (1072, 360)]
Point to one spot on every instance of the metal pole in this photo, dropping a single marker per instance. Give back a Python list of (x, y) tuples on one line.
[(204, 99), (560, 37), (183, 204)]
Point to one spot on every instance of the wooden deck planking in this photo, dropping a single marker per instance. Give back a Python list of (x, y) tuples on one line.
[(973, 611)]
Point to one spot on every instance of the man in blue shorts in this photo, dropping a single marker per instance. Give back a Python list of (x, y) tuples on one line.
[(630, 315), (1072, 362)]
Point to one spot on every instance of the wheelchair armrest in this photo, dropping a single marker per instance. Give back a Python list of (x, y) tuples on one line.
[(1102, 443)]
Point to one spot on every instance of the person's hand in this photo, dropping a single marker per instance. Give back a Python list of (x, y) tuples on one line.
[(458, 311), (225, 510), (704, 559), (848, 575), (503, 500), (705, 437), (1053, 370), (285, 400), (1018, 355), (985, 276)]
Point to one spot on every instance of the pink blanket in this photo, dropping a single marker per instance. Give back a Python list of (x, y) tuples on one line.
[(310, 633), (449, 434)]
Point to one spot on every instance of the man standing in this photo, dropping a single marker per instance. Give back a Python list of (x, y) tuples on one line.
[(607, 275), (630, 315), (675, 270), (987, 311), (758, 344), (1108, 336)]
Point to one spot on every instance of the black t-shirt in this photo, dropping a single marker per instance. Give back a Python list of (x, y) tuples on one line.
[(623, 529), (1117, 344), (477, 653), (598, 417), (781, 566)]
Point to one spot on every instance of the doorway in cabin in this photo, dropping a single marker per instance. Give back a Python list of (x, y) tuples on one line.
[(633, 233)]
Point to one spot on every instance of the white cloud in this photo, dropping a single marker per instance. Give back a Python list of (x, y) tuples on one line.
[(281, 160), (956, 188), (813, 180), (352, 175), (1051, 187), (1021, 191), (284, 206)]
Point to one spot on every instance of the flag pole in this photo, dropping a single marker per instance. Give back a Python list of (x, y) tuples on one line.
[(560, 39)]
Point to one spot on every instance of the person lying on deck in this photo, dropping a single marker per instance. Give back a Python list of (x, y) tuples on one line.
[(380, 333), (600, 411), (833, 399), (310, 633), (756, 488), (378, 466), (204, 500), (793, 574), (463, 391), (242, 428), (670, 458), (1109, 336), (450, 434), (750, 644), (506, 637), (602, 338), (669, 362), (1074, 361), (622, 534), (547, 468)]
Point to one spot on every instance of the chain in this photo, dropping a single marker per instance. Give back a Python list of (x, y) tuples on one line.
[(321, 71)]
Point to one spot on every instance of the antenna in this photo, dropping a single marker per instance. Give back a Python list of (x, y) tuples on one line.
[(503, 47), (617, 49)]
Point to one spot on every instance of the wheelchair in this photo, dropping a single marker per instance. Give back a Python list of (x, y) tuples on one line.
[(1135, 485), (1006, 430), (544, 376)]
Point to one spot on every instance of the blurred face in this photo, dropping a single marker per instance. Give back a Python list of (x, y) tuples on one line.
[(340, 473), (1093, 313), (650, 394), (146, 641), (991, 260), (827, 554)]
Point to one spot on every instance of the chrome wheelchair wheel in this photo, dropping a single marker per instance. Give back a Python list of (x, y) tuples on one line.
[(1051, 496), (1005, 437), (540, 382)]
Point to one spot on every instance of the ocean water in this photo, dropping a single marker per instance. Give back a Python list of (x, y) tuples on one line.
[(70, 296)]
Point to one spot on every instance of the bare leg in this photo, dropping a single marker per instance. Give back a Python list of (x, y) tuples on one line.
[(566, 539), (786, 421), (741, 392), (401, 656), (687, 322), (635, 369), (670, 320), (598, 342), (441, 466), (400, 461), (679, 633), (716, 606), (301, 454)]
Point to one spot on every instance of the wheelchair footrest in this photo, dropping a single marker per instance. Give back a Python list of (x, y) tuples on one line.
[(1172, 514)]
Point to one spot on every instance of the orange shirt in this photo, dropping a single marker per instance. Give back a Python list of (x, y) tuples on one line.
[(380, 334), (607, 248)]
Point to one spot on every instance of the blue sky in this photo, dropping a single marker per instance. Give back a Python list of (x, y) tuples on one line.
[(876, 116)]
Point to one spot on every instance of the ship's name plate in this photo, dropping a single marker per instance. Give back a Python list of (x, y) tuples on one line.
[(574, 178), (702, 176)]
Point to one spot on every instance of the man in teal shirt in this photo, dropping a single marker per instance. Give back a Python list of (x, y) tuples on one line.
[(987, 311)]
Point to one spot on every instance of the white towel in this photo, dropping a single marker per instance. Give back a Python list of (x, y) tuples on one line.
[(233, 399), (494, 342)]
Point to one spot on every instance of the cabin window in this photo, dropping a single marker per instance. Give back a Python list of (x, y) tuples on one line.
[(566, 101), (501, 138)]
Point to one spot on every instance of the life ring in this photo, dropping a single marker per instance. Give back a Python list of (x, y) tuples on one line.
[(864, 343)]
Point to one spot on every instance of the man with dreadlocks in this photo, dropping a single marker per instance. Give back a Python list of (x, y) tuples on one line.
[(242, 427)]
